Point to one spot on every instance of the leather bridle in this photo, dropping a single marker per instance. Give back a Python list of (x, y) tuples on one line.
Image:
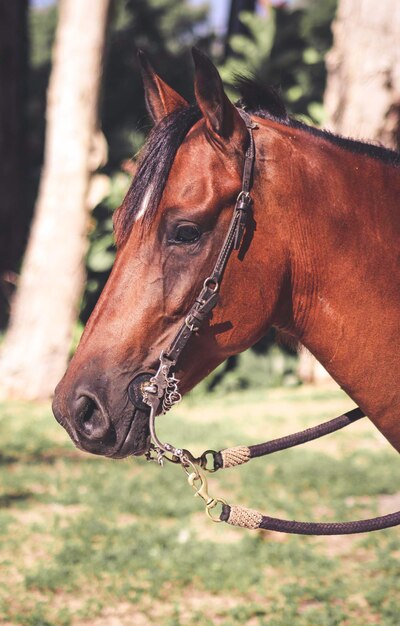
[(159, 391)]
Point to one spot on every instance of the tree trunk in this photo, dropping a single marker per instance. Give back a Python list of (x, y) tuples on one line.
[(13, 80), (310, 370), (36, 348), (362, 97)]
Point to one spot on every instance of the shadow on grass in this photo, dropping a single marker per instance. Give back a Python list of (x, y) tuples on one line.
[(46, 456), (7, 459), (9, 499)]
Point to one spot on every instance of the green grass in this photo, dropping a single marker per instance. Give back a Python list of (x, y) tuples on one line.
[(89, 541)]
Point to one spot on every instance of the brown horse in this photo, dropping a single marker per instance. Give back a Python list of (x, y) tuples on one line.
[(320, 259)]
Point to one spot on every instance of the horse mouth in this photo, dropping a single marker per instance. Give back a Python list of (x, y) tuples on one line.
[(137, 439), (129, 436)]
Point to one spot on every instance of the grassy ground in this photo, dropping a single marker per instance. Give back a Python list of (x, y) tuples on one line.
[(86, 540)]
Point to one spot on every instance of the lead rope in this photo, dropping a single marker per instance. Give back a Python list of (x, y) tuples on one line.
[(249, 518), (161, 392)]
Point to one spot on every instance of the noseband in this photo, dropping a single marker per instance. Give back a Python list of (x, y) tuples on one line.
[(160, 392)]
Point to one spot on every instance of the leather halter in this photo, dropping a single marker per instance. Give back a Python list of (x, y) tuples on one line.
[(160, 391)]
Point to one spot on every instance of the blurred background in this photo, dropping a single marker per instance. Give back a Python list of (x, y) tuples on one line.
[(83, 541)]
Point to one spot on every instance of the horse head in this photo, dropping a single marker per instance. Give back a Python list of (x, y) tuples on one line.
[(169, 231)]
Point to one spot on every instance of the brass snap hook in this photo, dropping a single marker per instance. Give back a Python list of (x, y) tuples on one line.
[(202, 492), (202, 489)]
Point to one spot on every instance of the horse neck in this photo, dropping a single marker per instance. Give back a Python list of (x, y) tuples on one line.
[(343, 227)]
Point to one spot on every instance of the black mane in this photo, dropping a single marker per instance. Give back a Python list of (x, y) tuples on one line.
[(154, 166), (164, 140), (266, 103)]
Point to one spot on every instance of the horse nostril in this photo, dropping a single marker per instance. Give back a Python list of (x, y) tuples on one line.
[(89, 419), (86, 408)]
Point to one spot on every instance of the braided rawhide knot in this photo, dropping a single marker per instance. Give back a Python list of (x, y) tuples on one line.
[(235, 456)]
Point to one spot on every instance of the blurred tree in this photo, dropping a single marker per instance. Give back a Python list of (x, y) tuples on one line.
[(36, 347), (362, 98), (14, 218)]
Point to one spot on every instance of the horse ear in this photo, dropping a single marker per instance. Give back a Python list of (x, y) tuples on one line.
[(221, 115), (161, 99)]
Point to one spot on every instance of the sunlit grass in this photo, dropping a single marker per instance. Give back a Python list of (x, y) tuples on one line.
[(86, 540)]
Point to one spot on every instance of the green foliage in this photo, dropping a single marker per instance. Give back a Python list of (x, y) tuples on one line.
[(84, 537), (266, 365), (42, 28), (166, 30), (286, 48), (250, 52), (41, 31), (101, 253)]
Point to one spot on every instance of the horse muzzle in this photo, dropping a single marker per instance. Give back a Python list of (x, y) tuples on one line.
[(92, 429)]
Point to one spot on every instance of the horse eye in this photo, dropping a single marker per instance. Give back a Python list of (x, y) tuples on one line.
[(187, 233)]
